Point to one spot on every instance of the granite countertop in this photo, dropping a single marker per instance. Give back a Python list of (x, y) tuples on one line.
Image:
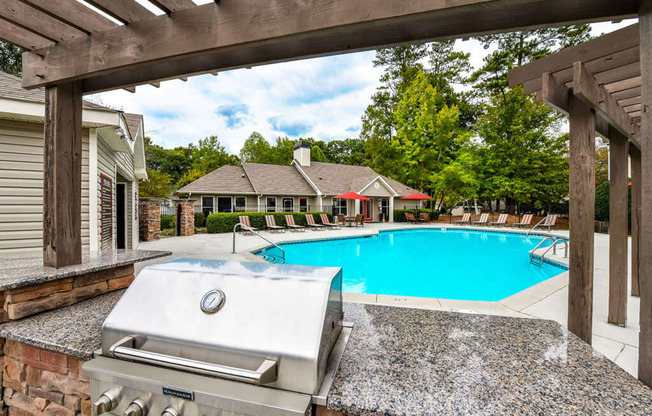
[(402, 361), (73, 330), (25, 271)]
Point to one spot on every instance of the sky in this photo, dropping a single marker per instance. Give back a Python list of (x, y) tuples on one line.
[(323, 98)]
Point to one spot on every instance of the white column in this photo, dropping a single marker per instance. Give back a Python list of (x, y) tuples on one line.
[(391, 209)]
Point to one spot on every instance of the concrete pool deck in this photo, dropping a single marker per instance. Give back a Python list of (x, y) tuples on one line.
[(546, 300)]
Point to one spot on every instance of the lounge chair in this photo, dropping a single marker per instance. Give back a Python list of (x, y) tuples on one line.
[(484, 219), (551, 221), (502, 220), (424, 217), (271, 225), (310, 221), (526, 221), (328, 223), (289, 220), (244, 220), (410, 217), (466, 219), (359, 220), (341, 218)]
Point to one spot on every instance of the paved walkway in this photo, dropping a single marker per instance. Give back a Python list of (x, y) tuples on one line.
[(547, 300)]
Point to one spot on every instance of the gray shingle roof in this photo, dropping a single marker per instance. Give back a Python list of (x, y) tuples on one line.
[(133, 123), (12, 87), (277, 179), (225, 179), (335, 179)]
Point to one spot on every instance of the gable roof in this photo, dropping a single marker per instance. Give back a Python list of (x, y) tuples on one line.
[(335, 179), (277, 179), (225, 179), (12, 87), (133, 123)]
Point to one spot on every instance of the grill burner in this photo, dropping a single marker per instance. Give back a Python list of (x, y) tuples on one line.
[(195, 337)]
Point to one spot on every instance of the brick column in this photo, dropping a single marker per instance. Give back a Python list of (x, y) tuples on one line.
[(149, 219), (186, 217)]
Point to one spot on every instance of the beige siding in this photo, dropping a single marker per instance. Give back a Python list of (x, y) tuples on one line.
[(109, 163), (21, 188)]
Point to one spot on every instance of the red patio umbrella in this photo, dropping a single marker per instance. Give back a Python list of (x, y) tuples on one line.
[(417, 196), (352, 195)]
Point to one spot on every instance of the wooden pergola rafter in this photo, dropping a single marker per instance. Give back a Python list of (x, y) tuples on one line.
[(600, 85)]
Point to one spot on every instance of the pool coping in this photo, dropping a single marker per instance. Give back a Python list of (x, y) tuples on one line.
[(513, 304)]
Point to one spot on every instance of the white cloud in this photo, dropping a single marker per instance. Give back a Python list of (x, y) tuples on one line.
[(323, 98)]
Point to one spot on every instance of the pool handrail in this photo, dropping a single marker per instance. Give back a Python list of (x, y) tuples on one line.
[(535, 226), (251, 230), (553, 246)]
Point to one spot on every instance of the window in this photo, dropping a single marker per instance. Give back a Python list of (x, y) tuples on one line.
[(207, 205), (303, 204), (271, 205), (240, 204), (288, 204), (224, 204), (339, 206)]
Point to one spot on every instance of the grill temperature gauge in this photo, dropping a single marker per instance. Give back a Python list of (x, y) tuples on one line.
[(212, 301)]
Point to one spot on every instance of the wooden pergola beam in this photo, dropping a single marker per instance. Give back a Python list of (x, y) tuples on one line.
[(73, 13), (618, 227), (250, 32), (594, 49), (171, 6), (557, 96), (36, 21), (126, 11), (645, 224), (62, 181), (18, 36), (586, 88)]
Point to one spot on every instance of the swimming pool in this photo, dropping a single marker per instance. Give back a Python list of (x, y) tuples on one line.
[(446, 264)]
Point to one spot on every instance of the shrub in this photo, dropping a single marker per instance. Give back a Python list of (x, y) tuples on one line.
[(223, 222), (399, 214), (200, 230), (168, 232), (168, 222), (602, 202), (199, 220)]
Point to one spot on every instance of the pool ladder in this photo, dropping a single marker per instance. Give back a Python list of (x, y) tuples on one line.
[(539, 260), (243, 227)]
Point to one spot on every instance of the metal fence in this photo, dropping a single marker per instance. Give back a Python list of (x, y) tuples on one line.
[(168, 208), (538, 210)]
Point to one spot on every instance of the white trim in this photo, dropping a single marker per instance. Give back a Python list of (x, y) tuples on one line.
[(275, 203), (90, 118), (380, 178), (283, 198), (248, 178), (305, 176), (92, 191)]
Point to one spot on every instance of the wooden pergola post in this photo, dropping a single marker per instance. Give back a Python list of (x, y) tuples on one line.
[(645, 248), (617, 228), (582, 209), (635, 157), (62, 175)]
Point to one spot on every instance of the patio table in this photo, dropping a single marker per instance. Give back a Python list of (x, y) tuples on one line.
[(348, 221)]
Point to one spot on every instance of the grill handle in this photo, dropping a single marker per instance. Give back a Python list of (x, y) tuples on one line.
[(265, 373)]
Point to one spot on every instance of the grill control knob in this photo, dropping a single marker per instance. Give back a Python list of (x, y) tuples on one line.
[(170, 411), (136, 408), (105, 403)]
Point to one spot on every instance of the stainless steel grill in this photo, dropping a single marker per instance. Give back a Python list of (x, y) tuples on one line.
[(194, 337)]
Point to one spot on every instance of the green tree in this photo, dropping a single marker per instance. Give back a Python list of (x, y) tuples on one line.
[(173, 162), (524, 159), (255, 149), (601, 165), (157, 185), (209, 154), (428, 133), (347, 151), (11, 60)]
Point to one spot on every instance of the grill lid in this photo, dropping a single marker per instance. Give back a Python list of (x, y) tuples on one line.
[(259, 323)]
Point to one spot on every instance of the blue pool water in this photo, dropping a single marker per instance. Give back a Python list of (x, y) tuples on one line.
[(447, 264)]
